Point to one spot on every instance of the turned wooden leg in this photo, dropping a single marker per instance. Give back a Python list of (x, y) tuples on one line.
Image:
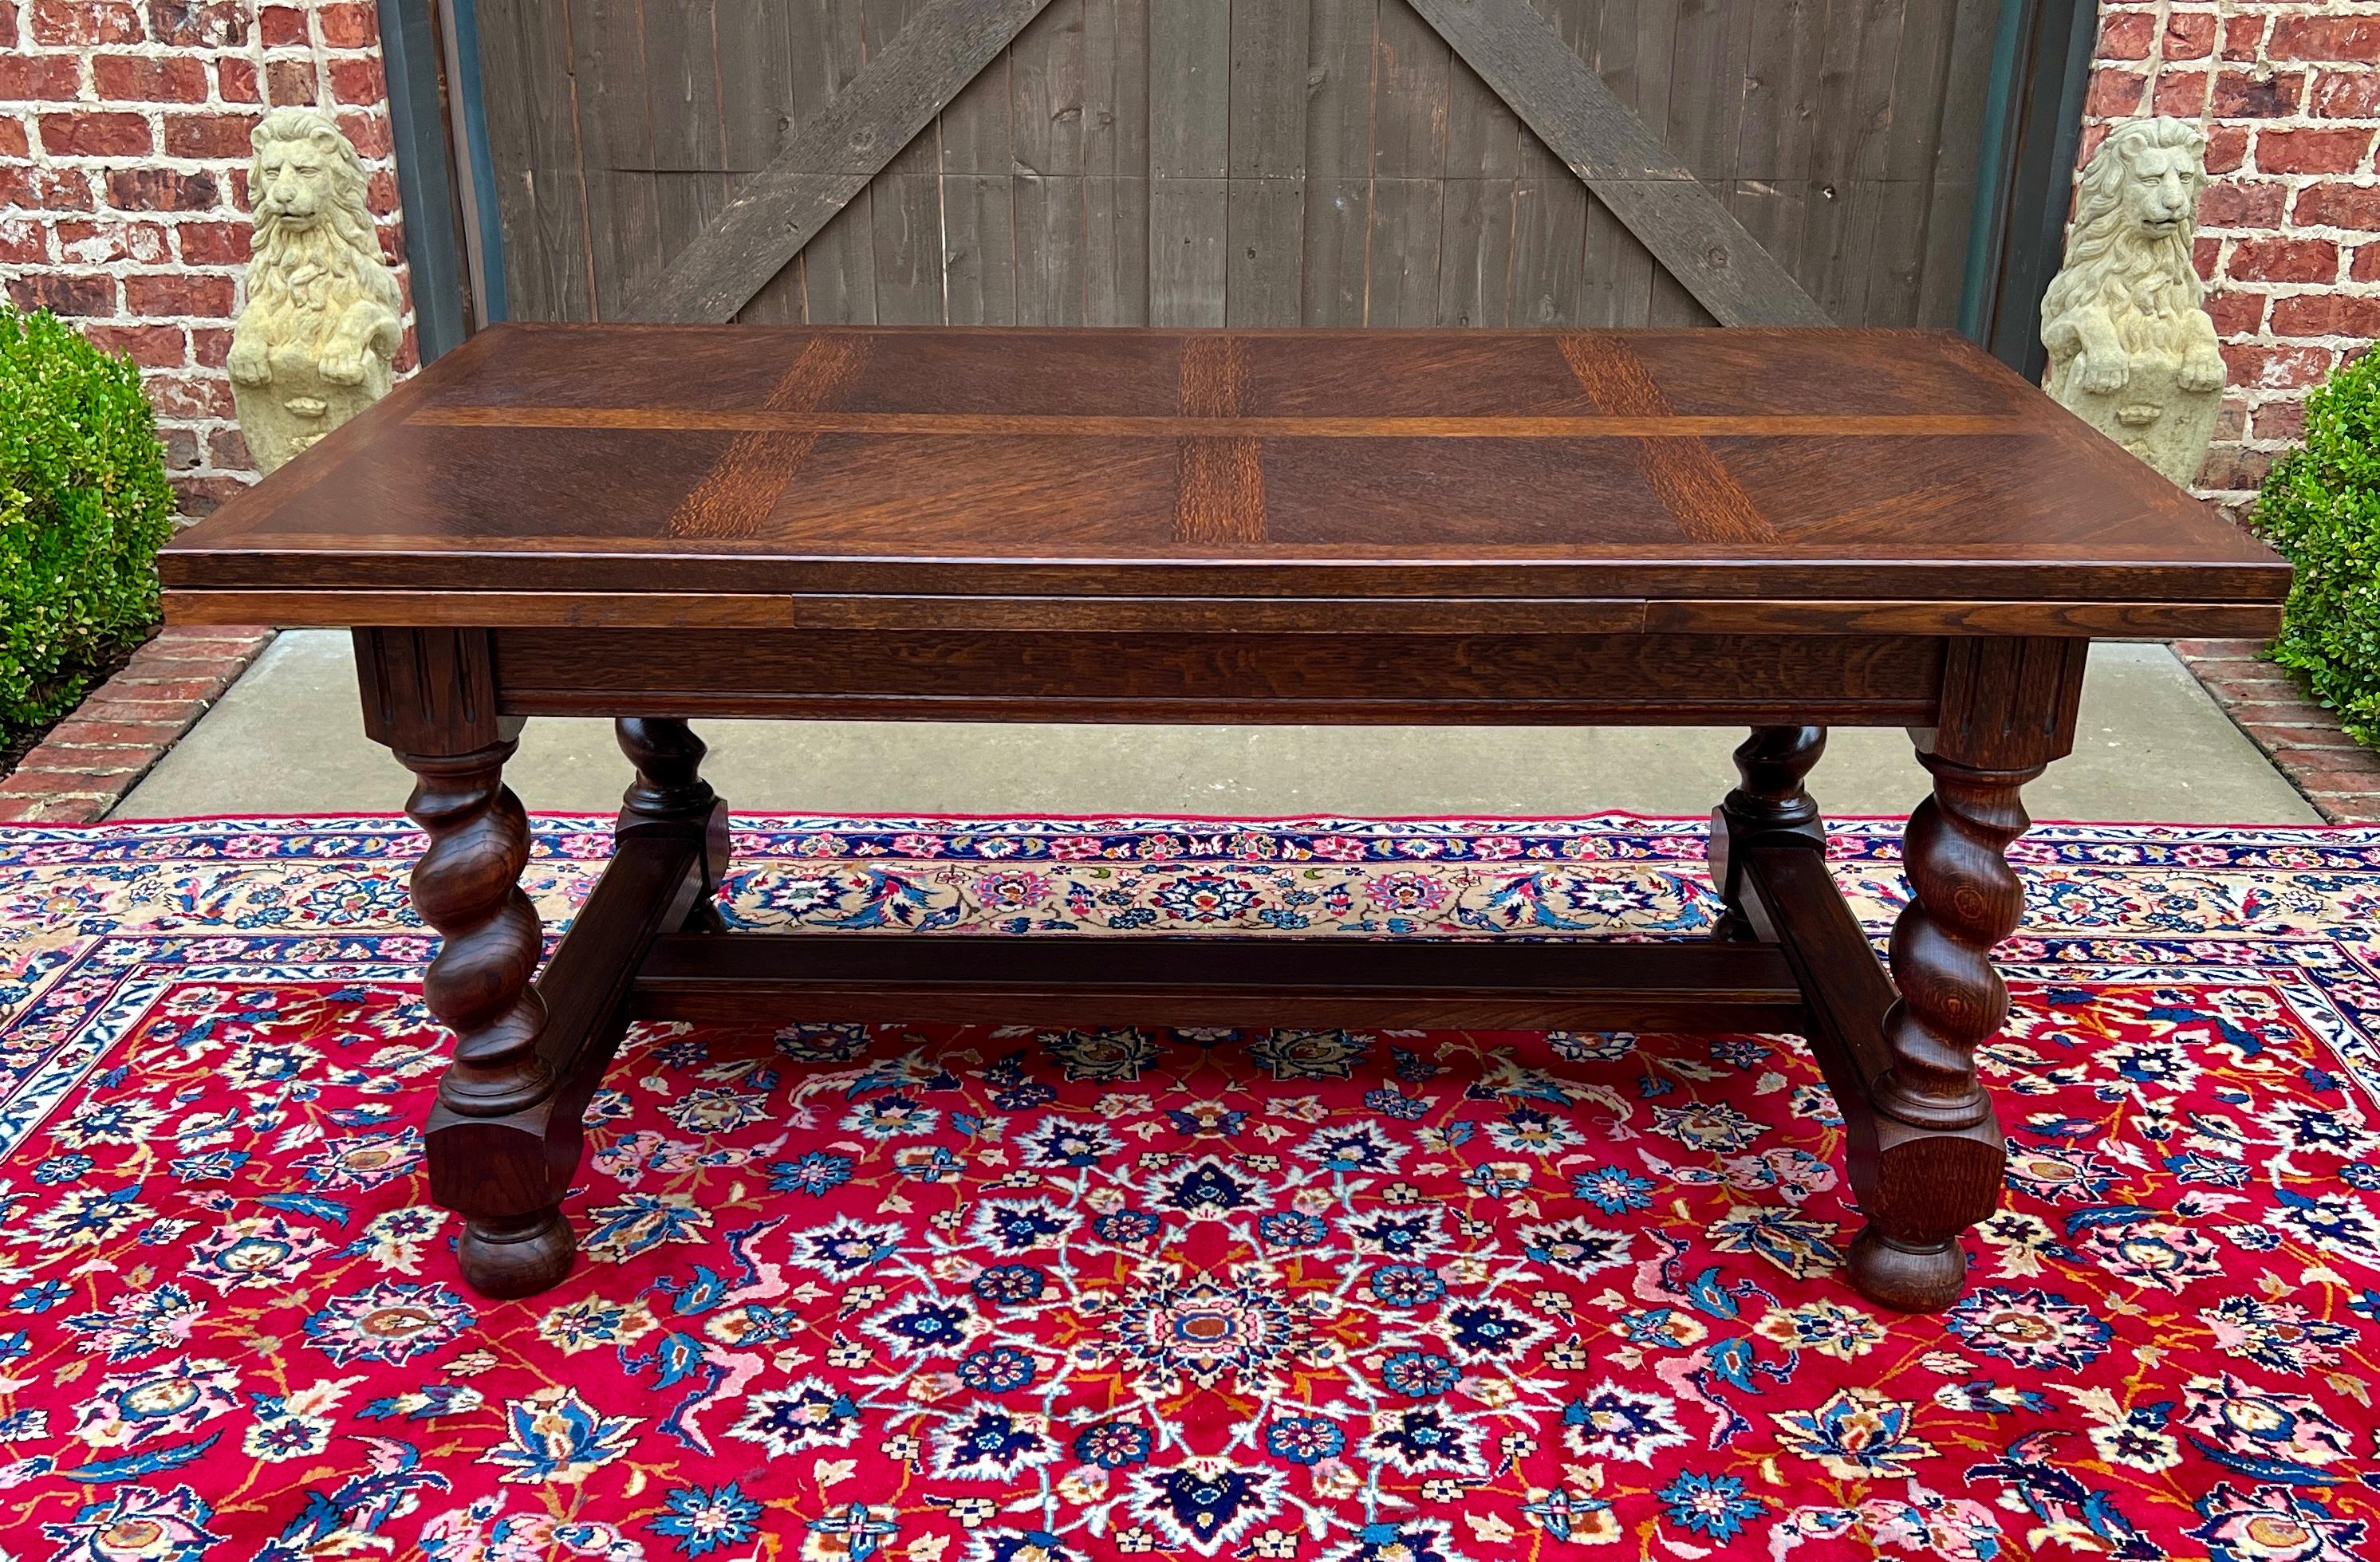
[(670, 794), (429, 695), (1928, 1161), (1963, 899), (1769, 807), (467, 886)]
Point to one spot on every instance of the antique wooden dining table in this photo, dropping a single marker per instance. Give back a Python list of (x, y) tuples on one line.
[(1775, 530)]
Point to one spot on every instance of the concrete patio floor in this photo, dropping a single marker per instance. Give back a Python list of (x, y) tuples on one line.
[(288, 739)]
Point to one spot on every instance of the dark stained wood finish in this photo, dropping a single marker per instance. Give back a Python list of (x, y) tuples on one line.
[(1919, 1188), (1768, 806), (1747, 480), (1217, 981), (945, 675), (1780, 529)]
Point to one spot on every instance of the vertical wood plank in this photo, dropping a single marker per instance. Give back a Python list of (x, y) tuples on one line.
[(1876, 124), (1266, 99), (1401, 275), (1338, 207), (1475, 258), (1709, 59), (1409, 95), (905, 244), (1774, 134), (540, 187), (1952, 194), (1895, 254), (761, 87), (1264, 253), (1897, 247), (1483, 137), (1054, 250), (1873, 132), (879, 20), (681, 87), (979, 248), (976, 136), (1263, 261), (1047, 70), (904, 202), (1410, 103), (1548, 270), (608, 65), (1619, 284), (1115, 154), (1048, 85), (977, 199), (1115, 257), (1550, 277), (1834, 149), (833, 280), (1116, 105), (1187, 220), (1771, 212), (761, 80), (1483, 158), (1189, 155), (1189, 89)]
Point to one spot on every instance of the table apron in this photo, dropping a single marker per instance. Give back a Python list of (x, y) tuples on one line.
[(1500, 679)]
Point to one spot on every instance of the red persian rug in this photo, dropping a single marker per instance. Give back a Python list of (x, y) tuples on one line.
[(931, 1294)]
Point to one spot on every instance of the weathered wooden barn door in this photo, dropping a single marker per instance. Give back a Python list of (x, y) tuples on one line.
[(1237, 162)]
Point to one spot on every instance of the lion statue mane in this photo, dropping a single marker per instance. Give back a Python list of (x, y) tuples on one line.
[(322, 324), (2130, 349)]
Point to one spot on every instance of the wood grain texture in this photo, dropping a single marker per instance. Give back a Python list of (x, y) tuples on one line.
[(1750, 480), (832, 156), (1218, 493), (1700, 494), (1770, 805), (734, 497), (1919, 1189), (1434, 203), (1687, 227), (1325, 615), (1243, 675), (1216, 981)]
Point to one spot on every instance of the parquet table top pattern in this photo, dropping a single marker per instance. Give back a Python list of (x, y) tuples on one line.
[(1614, 468)]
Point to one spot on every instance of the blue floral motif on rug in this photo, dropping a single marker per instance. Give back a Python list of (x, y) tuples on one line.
[(936, 1293)]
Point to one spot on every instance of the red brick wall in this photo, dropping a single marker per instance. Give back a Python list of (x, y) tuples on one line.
[(123, 155), (2288, 230)]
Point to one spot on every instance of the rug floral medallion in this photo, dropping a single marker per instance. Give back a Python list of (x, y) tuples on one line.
[(976, 1294)]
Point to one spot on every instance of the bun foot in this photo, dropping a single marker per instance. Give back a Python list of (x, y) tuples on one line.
[(1908, 1279), (518, 1257)]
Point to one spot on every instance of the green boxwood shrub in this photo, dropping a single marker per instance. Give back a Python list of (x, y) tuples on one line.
[(2321, 507), (83, 508)]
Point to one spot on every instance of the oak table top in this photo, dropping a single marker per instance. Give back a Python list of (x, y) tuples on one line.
[(1682, 481)]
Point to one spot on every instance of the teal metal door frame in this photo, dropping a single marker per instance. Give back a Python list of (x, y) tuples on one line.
[(2032, 126), (454, 243)]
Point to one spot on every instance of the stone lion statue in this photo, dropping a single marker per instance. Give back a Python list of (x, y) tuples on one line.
[(313, 345), (2131, 350)]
